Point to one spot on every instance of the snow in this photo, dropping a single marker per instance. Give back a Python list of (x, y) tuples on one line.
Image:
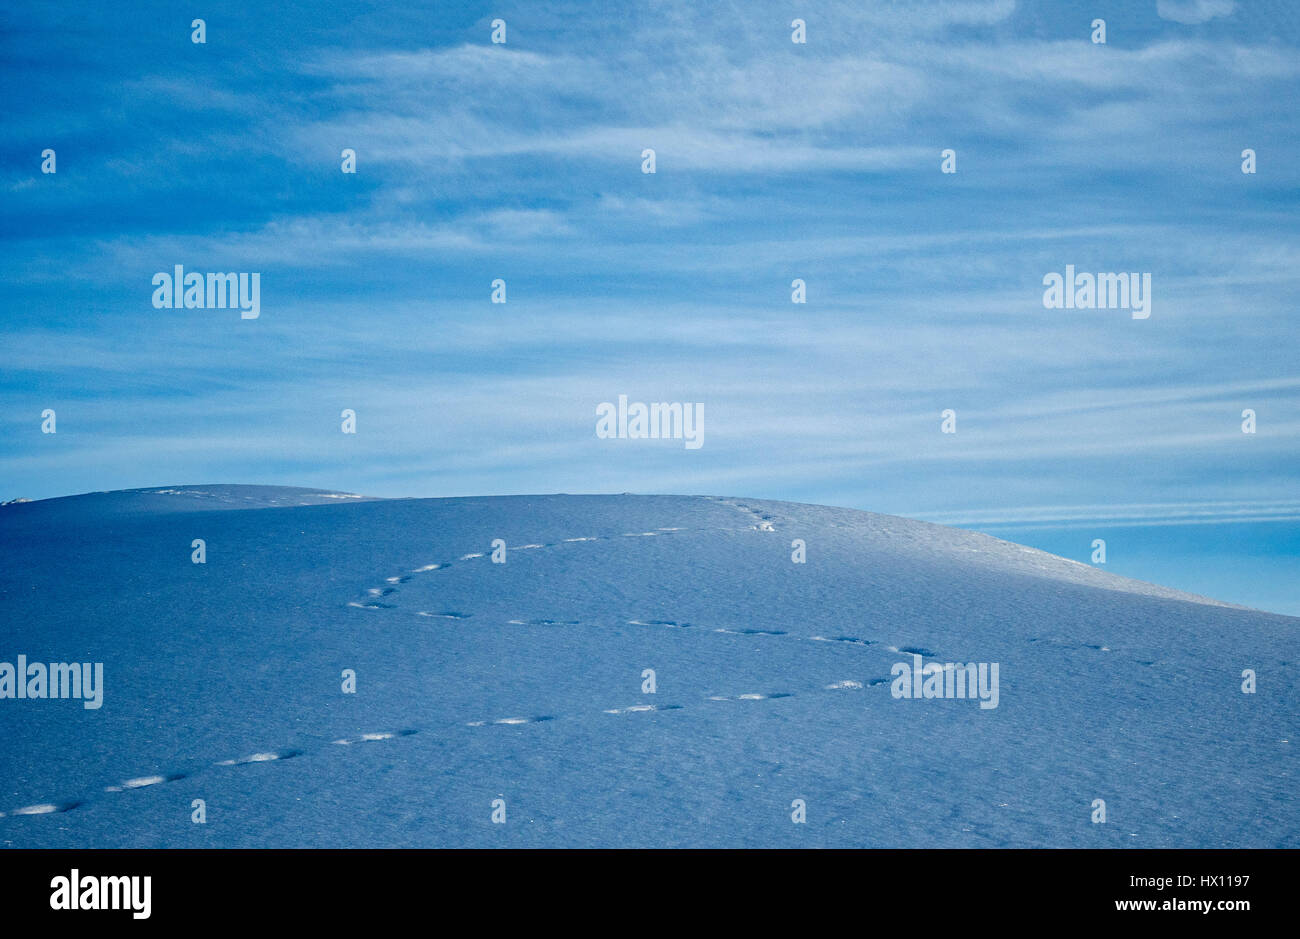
[(523, 680)]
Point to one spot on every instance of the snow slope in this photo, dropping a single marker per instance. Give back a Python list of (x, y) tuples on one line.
[(523, 681)]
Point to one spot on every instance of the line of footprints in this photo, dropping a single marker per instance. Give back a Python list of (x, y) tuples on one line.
[(142, 782), (375, 600)]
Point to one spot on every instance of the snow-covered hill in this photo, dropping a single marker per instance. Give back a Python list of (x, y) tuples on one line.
[(523, 681)]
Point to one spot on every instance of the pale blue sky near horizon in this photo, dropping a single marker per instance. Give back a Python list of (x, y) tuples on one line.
[(775, 161)]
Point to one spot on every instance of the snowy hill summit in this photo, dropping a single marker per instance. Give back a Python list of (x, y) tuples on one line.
[(304, 667), (186, 499)]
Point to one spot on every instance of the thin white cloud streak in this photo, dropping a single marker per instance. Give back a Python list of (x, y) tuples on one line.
[(1138, 514)]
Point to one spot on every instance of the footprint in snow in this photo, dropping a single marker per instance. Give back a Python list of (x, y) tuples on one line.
[(914, 650), (44, 808), (266, 757), (642, 708), (142, 782), (374, 737)]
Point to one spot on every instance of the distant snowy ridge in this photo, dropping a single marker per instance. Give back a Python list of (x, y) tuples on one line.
[(1005, 554)]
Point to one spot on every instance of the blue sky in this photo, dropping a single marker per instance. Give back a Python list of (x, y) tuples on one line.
[(775, 161)]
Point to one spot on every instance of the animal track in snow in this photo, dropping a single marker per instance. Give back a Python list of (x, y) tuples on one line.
[(781, 634), (44, 808), (914, 650), (264, 757), (146, 782), (751, 696), (764, 521), (270, 756), (727, 630), (374, 600), (373, 738), (141, 782), (854, 640), (764, 524)]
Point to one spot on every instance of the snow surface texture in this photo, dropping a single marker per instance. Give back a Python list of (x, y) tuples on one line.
[(522, 681)]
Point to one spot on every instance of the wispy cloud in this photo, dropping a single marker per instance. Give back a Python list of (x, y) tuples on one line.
[(1119, 516)]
